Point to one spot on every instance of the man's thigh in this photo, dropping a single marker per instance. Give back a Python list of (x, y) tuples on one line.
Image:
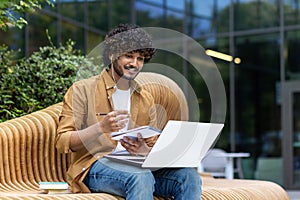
[(177, 182), (113, 177)]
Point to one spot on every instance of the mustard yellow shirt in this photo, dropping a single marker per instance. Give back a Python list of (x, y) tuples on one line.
[(82, 104)]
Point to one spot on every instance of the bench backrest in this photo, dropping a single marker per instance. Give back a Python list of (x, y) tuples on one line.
[(27, 150)]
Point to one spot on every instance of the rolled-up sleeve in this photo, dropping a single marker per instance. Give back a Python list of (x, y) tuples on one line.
[(66, 124), (70, 119)]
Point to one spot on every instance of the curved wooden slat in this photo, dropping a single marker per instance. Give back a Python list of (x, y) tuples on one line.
[(168, 97), (8, 159), (28, 155), (34, 162), (46, 146), (18, 139), (61, 160), (3, 150), (215, 189), (29, 127)]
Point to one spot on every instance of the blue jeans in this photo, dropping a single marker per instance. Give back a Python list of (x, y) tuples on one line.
[(136, 183)]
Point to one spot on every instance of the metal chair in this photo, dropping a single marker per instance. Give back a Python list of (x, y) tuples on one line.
[(214, 164)]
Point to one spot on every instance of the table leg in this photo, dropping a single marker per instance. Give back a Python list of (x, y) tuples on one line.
[(229, 171), (239, 168)]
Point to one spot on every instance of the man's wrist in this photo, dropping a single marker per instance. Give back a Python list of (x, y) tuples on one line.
[(100, 127)]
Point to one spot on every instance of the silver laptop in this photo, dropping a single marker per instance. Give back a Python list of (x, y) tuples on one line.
[(180, 144)]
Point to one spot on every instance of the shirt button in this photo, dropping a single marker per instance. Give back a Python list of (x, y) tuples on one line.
[(83, 169)]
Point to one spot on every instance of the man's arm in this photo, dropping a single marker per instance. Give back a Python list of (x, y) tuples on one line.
[(112, 122), (71, 132)]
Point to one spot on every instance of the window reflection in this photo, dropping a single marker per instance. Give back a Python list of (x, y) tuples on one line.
[(37, 32), (296, 139), (212, 16), (291, 12), (73, 9), (256, 14), (76, 34), (292, 55), (258, 75)]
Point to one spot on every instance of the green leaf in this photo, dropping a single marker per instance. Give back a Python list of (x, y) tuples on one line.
[(11, 8), (41, 80)]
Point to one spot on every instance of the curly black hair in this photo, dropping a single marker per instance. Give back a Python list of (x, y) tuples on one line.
[(127, 38)]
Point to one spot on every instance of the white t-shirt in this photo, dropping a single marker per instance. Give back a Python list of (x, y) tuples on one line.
[(121, 101)]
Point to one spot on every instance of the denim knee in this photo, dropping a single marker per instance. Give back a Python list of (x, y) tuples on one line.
[(142, 180), (140, 186), (192, 176), (181, 183), (191, 182)]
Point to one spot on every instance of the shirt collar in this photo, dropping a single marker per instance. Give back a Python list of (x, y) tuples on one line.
[(110, 84)]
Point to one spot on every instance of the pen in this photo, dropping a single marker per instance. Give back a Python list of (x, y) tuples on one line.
[(101, 114)]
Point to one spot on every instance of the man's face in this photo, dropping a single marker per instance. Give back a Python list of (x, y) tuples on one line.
[(128, 65)]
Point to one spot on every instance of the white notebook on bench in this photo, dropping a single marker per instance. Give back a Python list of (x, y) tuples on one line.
[(180, 144)]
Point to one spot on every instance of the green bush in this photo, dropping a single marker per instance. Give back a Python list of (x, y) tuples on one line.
[(41, 80)]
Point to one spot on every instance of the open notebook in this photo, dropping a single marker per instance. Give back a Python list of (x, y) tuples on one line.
[(180, 144)]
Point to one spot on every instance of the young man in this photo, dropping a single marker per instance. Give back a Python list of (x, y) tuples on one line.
[(95, 107)]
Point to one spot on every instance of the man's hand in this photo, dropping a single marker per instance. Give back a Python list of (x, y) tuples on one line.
[(114, 121), (135, 146)]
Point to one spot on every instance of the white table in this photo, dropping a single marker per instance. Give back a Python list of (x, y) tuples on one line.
[(229, 169)]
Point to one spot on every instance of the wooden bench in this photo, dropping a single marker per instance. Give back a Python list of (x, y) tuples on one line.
[(28, 154)]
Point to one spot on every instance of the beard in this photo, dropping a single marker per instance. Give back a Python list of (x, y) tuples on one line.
[(119, 71)]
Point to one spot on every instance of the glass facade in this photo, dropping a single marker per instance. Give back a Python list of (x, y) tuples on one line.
[(264, 34), (296, 141)]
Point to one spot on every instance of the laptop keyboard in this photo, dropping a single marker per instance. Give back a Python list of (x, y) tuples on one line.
[(137, 160)]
